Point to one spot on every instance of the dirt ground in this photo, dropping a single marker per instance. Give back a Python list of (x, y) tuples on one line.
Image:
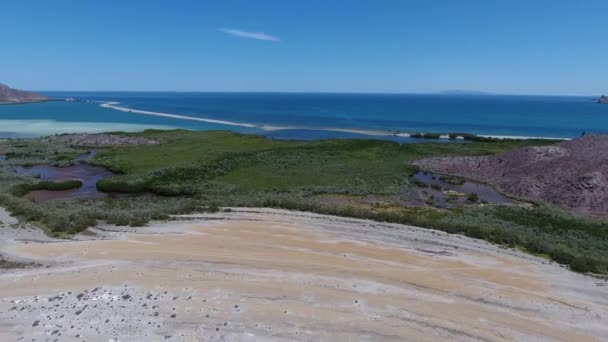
[(262, 274)]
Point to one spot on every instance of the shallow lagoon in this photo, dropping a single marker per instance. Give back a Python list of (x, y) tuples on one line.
[(485, 193), (87, 174)]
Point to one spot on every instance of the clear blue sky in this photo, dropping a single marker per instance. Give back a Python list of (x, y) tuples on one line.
[(507, 46)]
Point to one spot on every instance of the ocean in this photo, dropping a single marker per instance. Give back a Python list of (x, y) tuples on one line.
[(309, 116)]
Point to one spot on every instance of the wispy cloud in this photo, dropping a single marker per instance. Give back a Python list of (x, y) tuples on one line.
[(249, 34)]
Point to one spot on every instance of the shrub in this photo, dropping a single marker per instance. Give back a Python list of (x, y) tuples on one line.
[(116, 185), (23, 188), (453, 180), (419, 183)]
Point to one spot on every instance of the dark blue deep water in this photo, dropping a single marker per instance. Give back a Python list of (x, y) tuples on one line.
[(544, 116)]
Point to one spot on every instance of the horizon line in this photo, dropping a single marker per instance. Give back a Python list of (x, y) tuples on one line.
[(442, 92)]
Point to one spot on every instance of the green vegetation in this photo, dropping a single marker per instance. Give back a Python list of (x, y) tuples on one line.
[(419, 183), (190, 171), (452, 180), (426, 135), (23, 188), (32, 152), (436, 187)]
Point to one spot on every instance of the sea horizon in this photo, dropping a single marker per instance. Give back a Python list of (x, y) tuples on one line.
[(299, 115), (447, 92)]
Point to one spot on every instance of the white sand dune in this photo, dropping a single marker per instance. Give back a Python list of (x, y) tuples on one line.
[(113, 105)]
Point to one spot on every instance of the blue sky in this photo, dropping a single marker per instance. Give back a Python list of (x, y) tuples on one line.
[(515, 47)]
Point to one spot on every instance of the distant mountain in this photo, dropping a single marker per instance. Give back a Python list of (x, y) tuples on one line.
[(603, 99), (464, 92), (10, 95)]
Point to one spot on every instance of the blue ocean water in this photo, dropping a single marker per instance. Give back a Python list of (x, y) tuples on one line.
[(544, 116)]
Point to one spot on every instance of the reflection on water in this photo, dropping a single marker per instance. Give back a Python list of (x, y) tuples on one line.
[(438, 186), (87, 174)]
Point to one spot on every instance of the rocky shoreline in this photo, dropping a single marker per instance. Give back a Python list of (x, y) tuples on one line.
[(13, 96)]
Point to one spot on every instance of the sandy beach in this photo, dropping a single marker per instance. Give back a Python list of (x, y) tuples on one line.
[(263, 274), (113, 105)]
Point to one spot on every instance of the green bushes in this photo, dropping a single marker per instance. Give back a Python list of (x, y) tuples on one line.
[(23, 188), (122, 186), (566, 239), (432, 135), (552, 219), (419, 183), (208, 170), (452, 180), (436, 187), (426, 135)]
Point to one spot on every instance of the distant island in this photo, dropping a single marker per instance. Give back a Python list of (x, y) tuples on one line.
[(603, 99), (12, 96), (464, 92)]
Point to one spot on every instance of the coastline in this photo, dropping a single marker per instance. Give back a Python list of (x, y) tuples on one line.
[(24, 102), (114, 105)]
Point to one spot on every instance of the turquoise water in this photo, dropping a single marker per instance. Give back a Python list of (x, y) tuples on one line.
[(543, 116)]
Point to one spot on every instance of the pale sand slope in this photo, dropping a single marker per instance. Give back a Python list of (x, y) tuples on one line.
[(261, 274)]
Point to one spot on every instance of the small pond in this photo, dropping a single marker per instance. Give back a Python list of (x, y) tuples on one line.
[(438, 187), (87, 174)]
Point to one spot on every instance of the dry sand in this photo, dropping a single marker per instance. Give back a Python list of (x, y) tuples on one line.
[(261, 274)]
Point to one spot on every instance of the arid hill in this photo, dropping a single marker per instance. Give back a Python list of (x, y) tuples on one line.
[(571, 174), (10, 95)]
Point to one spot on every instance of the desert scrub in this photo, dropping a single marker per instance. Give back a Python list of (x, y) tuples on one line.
[(4, 263)]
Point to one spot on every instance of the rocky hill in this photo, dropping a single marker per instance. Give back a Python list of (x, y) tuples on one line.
[(603, 99), (571, 174), (9, 95)]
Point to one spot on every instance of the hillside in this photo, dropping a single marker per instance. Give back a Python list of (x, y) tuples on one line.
[(572, 174), (10, 95)]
